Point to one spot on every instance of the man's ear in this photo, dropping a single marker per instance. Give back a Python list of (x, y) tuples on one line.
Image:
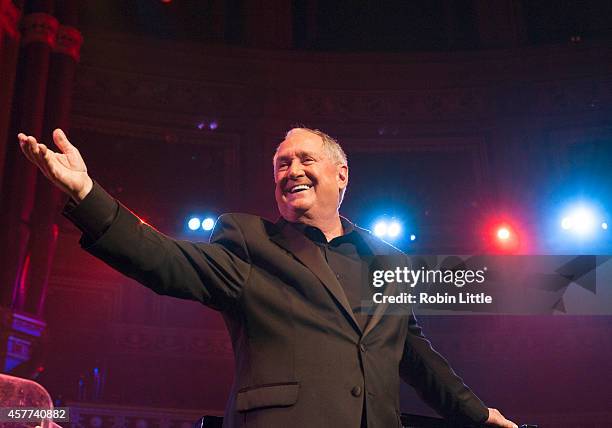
[(342, 176)]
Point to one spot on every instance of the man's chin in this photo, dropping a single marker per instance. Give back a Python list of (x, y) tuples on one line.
[(294, 210)]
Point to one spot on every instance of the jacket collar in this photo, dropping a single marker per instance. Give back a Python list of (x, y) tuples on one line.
[(307, 253)]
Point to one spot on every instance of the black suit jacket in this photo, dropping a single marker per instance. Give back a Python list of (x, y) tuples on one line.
[(301, 359)]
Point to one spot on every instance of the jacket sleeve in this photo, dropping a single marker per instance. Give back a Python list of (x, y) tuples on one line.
[(435, 381), (213, 274)]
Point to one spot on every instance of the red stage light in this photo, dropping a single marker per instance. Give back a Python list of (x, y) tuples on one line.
[(502, 236), (506, 238)]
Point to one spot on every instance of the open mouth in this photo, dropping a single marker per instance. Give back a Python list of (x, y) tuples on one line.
[(299, 188)]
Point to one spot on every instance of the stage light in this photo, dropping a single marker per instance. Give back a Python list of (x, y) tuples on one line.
[(193, 223), (208, 223), (584, 220), (503, 233), (580, 220), (213, 125), (566, 223), (380, 229), (413, 237), (388, 228), (394, 229), (604, 226)]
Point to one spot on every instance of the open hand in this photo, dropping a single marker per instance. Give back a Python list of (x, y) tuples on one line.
[(66, 170)]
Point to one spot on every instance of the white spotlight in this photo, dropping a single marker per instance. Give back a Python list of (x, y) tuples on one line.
[(394, 229), (208, 223), (604, 226), (413, 237), (194, 223), (584, 220), (380, 229), (581, 220), (503, 233), (567, 223)]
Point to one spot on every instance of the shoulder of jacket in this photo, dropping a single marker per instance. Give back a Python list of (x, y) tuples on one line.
[(243, 220)]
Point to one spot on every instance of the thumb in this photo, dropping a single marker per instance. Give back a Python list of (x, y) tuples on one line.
[(61, 141)]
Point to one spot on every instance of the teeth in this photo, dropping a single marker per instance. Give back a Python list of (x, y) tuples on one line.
[(299, 187)]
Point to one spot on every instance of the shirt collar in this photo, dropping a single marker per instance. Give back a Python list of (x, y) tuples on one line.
[(314, 233)]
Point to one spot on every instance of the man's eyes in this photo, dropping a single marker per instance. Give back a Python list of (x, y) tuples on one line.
[(284, 165)]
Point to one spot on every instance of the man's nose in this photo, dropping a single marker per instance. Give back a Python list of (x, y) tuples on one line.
[(295, 170)]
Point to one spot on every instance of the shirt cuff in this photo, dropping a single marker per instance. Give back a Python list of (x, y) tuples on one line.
[(94, 214)]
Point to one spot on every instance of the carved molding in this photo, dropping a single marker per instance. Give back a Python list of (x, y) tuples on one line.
[(69, 41), (143, 90), (542, 98), (39, 28), (138, 339), (458, 104), (85, 415)]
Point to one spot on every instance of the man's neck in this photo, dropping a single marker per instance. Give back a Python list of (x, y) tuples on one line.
[(331, 227)]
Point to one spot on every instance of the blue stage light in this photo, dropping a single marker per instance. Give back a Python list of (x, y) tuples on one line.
[(604, 226), (413, 237), (380, 229), (193, 223), (580, 220), (567, 223), (208, 223), (394, 229), (388, 228)]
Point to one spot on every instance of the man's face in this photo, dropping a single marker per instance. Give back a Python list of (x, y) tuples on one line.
[(307, 181)]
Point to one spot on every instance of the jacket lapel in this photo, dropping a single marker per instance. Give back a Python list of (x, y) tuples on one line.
[(378, 250), (310, 256)]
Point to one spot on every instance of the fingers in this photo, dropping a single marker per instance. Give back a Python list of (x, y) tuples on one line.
[(498, 420), (61, 141), (44, 155), (36, 153), (27, 145)]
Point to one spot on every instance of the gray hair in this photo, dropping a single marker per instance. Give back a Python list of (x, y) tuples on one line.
[(331, 147)]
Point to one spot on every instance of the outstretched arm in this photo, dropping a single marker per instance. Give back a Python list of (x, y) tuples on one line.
[(433, 378), (213, 274)]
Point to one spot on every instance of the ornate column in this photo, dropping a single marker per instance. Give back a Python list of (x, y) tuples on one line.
[(9, 50), (38, 37), (44, 229), (22, 331)]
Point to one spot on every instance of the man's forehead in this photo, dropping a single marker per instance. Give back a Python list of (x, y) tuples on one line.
[(299, 140)]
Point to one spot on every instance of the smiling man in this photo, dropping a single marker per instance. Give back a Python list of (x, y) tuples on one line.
[(305, 354), (311, 175)]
